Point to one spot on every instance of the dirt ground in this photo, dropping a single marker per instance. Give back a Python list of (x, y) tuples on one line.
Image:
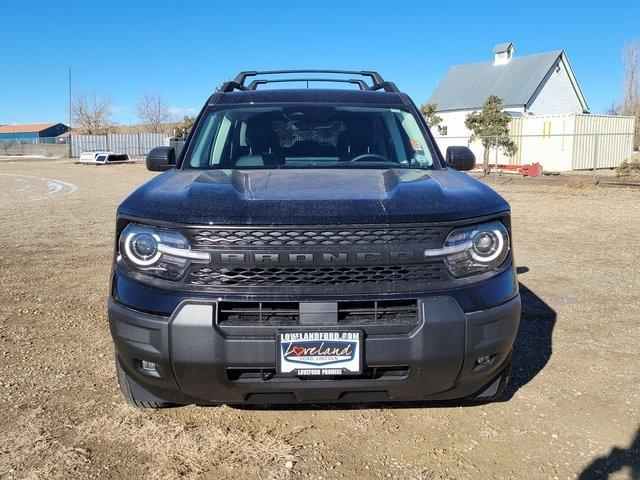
[(573, 409)]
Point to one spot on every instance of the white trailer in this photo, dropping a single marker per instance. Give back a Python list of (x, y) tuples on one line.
[(102, 157)]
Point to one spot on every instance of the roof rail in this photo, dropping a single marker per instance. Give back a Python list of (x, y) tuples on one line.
[(387, 86), (378, 83), (231, 86), (361, 83)]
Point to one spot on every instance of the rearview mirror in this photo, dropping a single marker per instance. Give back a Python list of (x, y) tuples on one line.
[(460, 158), (161, 158)]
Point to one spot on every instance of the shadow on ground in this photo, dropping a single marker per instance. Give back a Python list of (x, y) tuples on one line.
[(532, 351), (617, 460), (533, 345)]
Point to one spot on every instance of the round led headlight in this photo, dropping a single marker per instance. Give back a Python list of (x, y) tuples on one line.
[(157, 252), (487, 245), (142, 248), (475, 249)]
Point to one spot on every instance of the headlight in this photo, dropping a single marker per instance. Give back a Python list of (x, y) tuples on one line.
[(157, 251), (473, 249)]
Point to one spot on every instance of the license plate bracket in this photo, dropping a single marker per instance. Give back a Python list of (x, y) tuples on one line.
[(319, 353)]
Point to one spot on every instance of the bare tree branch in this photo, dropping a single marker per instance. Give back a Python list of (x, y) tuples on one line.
[(631, 86), (631, 69), (153, 110), (91, 113)]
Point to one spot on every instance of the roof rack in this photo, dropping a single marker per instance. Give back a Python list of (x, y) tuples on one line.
[(378, 83), (361, 83)]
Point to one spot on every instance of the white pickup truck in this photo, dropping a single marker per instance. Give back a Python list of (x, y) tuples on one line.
[(102, 157)]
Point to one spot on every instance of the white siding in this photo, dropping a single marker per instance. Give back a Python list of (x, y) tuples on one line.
[(457, 134), (614, 142), (548, 140), (559, 143), (557, 95)]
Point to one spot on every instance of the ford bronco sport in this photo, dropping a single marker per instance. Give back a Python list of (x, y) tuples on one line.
[(312, 245)]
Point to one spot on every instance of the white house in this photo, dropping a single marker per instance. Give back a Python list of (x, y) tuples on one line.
[(540, 84), (544, 98)]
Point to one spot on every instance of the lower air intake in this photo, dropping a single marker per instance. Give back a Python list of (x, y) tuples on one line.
[(397, 312)]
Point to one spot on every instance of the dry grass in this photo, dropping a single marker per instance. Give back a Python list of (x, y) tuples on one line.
[(582, 183), (33, 437), (176, 449), (630, 167), (179, 449), (575, 384)]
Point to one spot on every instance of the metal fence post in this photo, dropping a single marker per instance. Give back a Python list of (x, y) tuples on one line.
[(595, 158), (495, 142)]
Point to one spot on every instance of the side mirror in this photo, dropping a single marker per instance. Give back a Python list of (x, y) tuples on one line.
[(460, 158), (161, 158)]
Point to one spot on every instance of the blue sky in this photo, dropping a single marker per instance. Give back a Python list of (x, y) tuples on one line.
[(184, 49)]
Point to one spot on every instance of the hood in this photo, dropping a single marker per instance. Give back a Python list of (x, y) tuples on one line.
[(311, 196)]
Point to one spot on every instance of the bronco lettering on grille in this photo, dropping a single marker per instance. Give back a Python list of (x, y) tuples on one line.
[(305, 258)]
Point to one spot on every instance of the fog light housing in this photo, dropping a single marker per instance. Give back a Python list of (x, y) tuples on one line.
[(480, 361), (484, 362), (148, 367)]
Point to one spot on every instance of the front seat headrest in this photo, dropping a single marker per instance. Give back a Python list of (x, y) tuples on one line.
[(261, 138)]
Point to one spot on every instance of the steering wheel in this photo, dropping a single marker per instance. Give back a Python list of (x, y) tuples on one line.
[(368, 157)]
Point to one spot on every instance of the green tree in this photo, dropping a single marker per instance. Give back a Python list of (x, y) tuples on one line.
[(428, 110), (182, 129), (491, 127)]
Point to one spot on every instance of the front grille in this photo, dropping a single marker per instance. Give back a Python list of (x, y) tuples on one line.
[(315, 236), (378, 312), (318, 259), (360, 313), (263, 313), (210, 276)]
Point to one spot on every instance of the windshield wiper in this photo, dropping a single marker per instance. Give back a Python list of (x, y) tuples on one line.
[(380, 165)]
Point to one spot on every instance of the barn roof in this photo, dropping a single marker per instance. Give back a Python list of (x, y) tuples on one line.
[(466, 87), (26, 128)]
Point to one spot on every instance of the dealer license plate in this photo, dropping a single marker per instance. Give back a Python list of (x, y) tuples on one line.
[(322, 353)]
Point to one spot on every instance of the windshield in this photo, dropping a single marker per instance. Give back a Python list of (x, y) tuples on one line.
[(309, 137)]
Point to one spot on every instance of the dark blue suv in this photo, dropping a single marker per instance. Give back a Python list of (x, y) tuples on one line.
[(312, 245)]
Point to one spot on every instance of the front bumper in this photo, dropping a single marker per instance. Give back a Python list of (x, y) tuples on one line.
[(196, 359)]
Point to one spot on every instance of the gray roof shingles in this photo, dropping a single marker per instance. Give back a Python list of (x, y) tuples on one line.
[(466, 87)]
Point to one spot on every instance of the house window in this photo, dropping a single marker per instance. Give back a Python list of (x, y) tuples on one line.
[(443, 130)]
